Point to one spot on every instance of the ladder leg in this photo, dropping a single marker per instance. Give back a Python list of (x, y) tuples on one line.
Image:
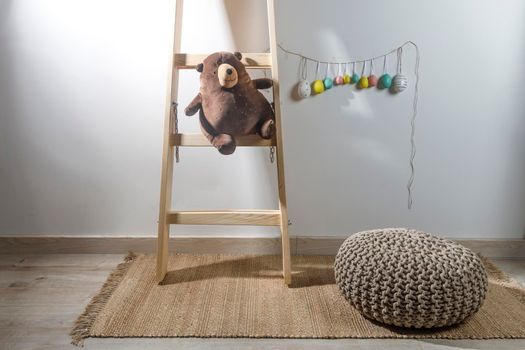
[(168, 151), (287, 264), (165, 206), (279, 143)]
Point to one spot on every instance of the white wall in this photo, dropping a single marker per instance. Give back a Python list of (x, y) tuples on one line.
[(347, 153), (81, 115), (82, 110)]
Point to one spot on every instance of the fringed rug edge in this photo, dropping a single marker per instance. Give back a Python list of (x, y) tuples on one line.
[(84, 322)]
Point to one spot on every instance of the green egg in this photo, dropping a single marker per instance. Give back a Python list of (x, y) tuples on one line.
[(355, 78), (385, 81)]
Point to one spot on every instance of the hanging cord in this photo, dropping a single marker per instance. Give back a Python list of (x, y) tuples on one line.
[(413, 129), (304, 68), (385, 65), (175, 126), (363, 70), (399, 60), (371, 67)]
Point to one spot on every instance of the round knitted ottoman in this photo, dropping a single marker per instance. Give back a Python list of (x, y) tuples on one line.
[(409, 278)]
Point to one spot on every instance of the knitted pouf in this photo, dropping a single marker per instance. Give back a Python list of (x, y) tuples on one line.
[(409, 278)]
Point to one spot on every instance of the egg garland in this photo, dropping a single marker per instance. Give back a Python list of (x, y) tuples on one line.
[(338, 80), (317, 85), (399, 82), (363, 81), (303, 87), (372, 79), (362, 75), (346, 78), (396, 84), (355, 76), (386, 80), (327, 81)]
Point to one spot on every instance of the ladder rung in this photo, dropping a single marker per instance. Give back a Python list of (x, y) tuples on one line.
[(198, 140), (226, 217), (250, 60)]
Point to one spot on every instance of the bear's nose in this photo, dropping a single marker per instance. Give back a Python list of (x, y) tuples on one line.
[(229, 71)]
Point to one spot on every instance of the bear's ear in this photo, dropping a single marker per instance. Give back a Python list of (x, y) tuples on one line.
[(238, 55), (200, 67)]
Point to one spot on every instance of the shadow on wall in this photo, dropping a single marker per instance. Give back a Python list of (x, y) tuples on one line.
[(248, 23), (5, 6), (249, 31)]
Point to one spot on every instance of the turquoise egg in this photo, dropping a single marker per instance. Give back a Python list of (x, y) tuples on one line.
[(385, 81), (355, 78), (328, 83)]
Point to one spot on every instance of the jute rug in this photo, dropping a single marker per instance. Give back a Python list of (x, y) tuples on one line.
[(244, 296)]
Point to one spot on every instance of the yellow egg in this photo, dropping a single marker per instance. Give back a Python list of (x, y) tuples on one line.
[(317, 86), (347, 78), (363, 83)]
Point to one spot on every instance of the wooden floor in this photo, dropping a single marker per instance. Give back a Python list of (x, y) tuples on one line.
[(41, 295)]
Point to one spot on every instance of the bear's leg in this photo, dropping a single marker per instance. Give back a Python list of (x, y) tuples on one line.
[(267, 129), (224, 143)]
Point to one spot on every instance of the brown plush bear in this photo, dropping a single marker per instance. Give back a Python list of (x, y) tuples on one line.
[(230, 104)]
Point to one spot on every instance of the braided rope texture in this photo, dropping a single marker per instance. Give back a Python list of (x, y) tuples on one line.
[(410, 278)]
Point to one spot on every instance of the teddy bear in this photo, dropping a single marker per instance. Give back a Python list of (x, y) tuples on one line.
[(230, 103)]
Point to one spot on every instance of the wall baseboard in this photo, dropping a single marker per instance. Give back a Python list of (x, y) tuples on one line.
[(493, 248)]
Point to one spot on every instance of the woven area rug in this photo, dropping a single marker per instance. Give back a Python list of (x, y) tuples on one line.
[(244, 296)]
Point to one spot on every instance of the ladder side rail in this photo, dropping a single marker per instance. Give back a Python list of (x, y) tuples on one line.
[(279, 148), (167, 151)]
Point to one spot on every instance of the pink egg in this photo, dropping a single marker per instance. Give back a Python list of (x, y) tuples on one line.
[(339, 80), (372, 80)]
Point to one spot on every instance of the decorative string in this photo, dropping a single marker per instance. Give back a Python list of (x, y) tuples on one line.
[(363, 70), (399, 51), (371, 67), (349, 61)]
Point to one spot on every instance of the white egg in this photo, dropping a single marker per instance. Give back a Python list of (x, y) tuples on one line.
[(399, 83), (303, 89)]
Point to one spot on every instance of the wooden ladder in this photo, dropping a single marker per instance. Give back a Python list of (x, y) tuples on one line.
[(171, 140)]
